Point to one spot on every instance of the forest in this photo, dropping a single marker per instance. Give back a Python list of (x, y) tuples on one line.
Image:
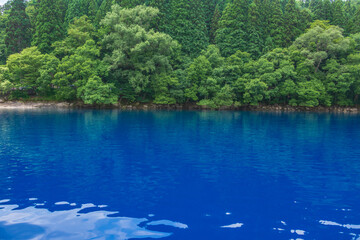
[(208, 52)]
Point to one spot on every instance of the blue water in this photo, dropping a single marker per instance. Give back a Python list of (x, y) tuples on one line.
[(178, 175)]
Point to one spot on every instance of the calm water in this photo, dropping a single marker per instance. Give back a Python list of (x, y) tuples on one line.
[(178, 175)]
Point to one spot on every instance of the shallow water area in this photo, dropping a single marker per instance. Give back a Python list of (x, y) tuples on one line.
[(108, 174)]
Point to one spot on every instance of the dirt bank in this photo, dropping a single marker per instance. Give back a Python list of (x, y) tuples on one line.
[(150, 106)]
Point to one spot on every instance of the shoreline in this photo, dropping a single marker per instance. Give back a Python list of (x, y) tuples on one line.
[(151, 106)]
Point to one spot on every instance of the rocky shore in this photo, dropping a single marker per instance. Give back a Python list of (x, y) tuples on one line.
[(150, 106)]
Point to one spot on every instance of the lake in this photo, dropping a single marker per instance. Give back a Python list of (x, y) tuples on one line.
[(87, 174)]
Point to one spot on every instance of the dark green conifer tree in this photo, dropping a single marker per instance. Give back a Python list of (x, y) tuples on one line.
[(338, 14), (265, 7), (49, 25), (214, 24), (327, 10), (186, 24), (209, 9), (18, 28), (255, 43), (276, 26), (159, 23), (76, 9), (92, 9), (103, 9), (316, 7), (291, 23), (232, 33), (354, 24)]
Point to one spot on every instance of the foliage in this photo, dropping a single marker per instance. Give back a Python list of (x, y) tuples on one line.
[(214, 53), (138, 54), (48, 29), (18, 28)]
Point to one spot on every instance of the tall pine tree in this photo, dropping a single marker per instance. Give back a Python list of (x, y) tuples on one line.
[(255, 43), (327, 10), (231, 35), (103, 9), (18, 28), (276, 25), (76, 9), (316, 7), (214, 24), (49, 25), (354, 24), (186, 24), (291, 23), (209, 9), (338, 14)]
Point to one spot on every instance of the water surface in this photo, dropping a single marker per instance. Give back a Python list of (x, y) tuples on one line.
[(67, 174)]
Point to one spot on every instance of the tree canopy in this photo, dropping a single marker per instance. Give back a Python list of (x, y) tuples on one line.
[(208, 52)]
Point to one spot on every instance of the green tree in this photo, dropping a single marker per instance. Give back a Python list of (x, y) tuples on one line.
[(291, 22), (75, 70), (76, 9), (311, 94), (255, 91), (48, 29), (24, 67), (232, 33), (214, 24), (5, 85), (353, 65), (209, 9), (198, 74), (3, 18), (276, 26), (46, 75), (318, 44), (354, 23), (186, 23), (92, 9), (317, 8), (138, 54), (338, 82), (97, 92), (327, 12), (18, 28), (338, 14), (255, 44), (103, 9), (78, 33)]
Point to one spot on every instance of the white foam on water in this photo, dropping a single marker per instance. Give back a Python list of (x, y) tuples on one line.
[(348, 226), (151, 215), (168, 223), (279, 229), (73, 225), (33, 199), (62, 203), (88, 205), (228, 213), (235, 225), (102, 206), (4, 200), (346, 210), (283, 223)]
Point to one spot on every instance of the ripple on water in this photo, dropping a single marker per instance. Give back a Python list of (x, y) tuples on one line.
[(33, 222)]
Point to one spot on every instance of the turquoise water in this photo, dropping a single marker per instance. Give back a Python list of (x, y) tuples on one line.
[(67, 174)]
